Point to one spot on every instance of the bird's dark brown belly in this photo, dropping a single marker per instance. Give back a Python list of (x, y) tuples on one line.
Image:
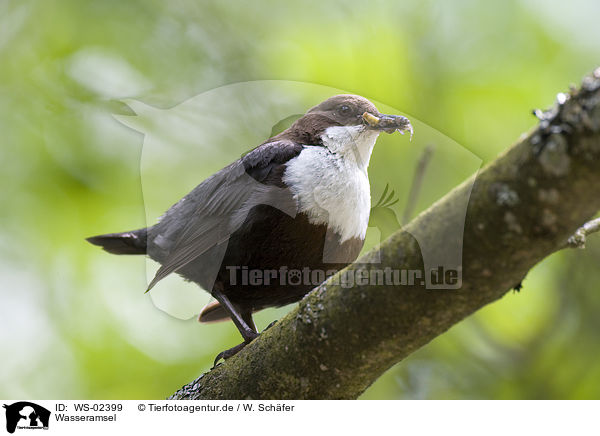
[(279, 246)]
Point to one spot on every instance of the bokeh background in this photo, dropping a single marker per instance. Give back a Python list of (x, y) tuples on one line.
[(74, 321)]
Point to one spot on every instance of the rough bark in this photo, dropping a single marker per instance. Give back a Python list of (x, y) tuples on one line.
[(521, 208)]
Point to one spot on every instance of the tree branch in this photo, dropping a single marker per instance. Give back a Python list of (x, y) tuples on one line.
[(417, 181), (579, 238), (521, 208)]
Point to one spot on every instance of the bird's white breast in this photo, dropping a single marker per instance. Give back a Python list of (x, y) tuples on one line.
[(330, 182)]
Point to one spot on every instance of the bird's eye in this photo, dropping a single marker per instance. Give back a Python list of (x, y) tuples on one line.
[(344, 109)]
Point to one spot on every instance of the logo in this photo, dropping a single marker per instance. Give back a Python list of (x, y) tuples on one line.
[(26, 415)]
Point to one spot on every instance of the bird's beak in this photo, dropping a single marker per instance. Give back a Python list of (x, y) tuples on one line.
[(388, 123)]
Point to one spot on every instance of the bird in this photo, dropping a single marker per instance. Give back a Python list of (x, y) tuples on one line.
[(298, 202)]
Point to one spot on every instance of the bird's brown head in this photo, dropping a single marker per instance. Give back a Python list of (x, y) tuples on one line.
[(344, 110)]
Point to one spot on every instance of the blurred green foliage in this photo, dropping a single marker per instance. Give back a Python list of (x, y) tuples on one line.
[(74, 322)]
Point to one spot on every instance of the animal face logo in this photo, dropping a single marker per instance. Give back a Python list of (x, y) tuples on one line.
[(26, 415)]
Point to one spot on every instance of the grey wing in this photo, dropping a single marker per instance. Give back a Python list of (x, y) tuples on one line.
[(216, 208)]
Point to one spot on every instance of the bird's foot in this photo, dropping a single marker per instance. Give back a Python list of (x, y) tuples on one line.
[(229, 353), (234, 350), (270, 325)]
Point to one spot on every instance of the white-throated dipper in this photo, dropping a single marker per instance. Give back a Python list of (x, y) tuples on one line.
[(298, 202)]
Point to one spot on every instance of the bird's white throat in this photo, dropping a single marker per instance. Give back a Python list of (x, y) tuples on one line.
[(330, 182), (353, 142)]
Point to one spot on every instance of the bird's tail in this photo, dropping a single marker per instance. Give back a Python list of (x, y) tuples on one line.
[(133, 242)]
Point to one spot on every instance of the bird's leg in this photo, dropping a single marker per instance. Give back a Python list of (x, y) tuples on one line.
[(242, 320), (247, 317)]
